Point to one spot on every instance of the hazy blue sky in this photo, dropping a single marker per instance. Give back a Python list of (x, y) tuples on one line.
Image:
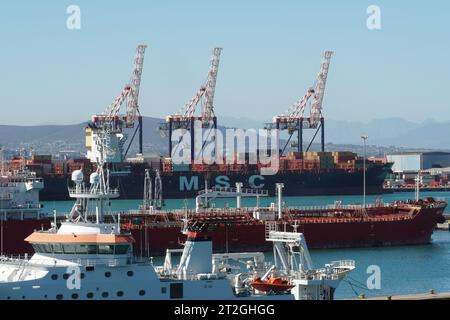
[(272, 52)]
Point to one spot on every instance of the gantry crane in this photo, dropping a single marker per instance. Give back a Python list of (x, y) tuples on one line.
[(185, 118), (105, 133), (294, 120)]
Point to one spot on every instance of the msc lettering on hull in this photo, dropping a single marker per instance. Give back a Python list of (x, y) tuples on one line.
[(191, 183)]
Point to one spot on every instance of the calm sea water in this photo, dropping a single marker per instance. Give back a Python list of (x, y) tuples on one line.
[(404, 269)]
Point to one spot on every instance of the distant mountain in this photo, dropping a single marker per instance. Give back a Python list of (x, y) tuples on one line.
[(382, 132), (391, 132)]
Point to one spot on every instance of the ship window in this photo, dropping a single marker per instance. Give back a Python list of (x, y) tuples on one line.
[(106, 249), (163, 290), (82, 275), (122, 248), (130, 273), (91, 249), (90, 295), (81, 249), (120, 293), (176, 290), (39, 248), (105, 294), (57, 248), (54, 276), (89, 268), (69, 248), (66, 276), (108, 274), (59, 297), (47, 248), (74, 296), (142, 292)]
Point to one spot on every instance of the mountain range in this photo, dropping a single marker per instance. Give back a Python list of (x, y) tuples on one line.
[(388, 132)]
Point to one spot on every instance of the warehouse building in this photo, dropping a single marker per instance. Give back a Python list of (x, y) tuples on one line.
[(416, 161)]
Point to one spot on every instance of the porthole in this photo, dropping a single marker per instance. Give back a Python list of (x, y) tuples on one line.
[(65, 276), (120, 293), (107, 274), (105, 294), (75, 296), (54, 276), (82, 275), (90, 295), (130, 273), (142, 292), (59, 297), (23, 297)]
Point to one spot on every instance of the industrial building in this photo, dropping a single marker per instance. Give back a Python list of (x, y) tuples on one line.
[(418, 161)]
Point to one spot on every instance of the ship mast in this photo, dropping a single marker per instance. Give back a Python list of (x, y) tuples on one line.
[(98, 192)]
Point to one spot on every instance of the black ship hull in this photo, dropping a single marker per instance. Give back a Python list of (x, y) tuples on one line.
[(187, 184)]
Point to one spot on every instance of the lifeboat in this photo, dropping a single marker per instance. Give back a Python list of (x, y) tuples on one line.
[(275, 284)]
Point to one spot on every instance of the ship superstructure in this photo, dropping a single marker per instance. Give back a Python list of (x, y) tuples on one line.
[(20, 209)]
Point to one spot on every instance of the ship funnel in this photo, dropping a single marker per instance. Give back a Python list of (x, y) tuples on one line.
[(77, 176), (197, 255)]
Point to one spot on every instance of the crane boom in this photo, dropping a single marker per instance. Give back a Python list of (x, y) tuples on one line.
[(130, 91), (210, 87), (206, 91), (316, 92), (316, 108), (135, 84)]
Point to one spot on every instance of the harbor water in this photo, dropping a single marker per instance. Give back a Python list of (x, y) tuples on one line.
[(403, 269)]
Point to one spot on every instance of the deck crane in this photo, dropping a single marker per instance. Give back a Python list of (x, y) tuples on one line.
[(106, 130), (294, 119), (185, 118)]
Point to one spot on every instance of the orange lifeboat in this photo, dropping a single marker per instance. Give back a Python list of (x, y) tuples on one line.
[(275, 284)]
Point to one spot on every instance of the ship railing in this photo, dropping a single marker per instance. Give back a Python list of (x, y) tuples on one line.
[(24, 206), (23, 260), (189, 212), (86, 191), (343, 264), (319, 274), (339, 207), (234, 190)]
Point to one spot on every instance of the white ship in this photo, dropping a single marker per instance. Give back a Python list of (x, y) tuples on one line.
[(19, 195), (87, 258), (20, 209)]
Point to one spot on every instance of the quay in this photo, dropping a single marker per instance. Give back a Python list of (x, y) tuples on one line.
[(430, 295)]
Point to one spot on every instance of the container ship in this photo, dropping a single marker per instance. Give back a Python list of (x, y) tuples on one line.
[(341, 173)]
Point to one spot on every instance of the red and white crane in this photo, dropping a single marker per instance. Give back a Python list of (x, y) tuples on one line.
[(106, 132), (185, 117), (112, 115), (294, 119)]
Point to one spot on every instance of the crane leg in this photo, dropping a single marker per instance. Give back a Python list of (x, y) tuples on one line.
[(322, 133)]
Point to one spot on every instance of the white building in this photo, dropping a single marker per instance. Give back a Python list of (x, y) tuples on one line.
[(415, 161)]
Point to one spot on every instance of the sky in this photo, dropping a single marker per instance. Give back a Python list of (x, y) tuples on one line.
[(271, 55)]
